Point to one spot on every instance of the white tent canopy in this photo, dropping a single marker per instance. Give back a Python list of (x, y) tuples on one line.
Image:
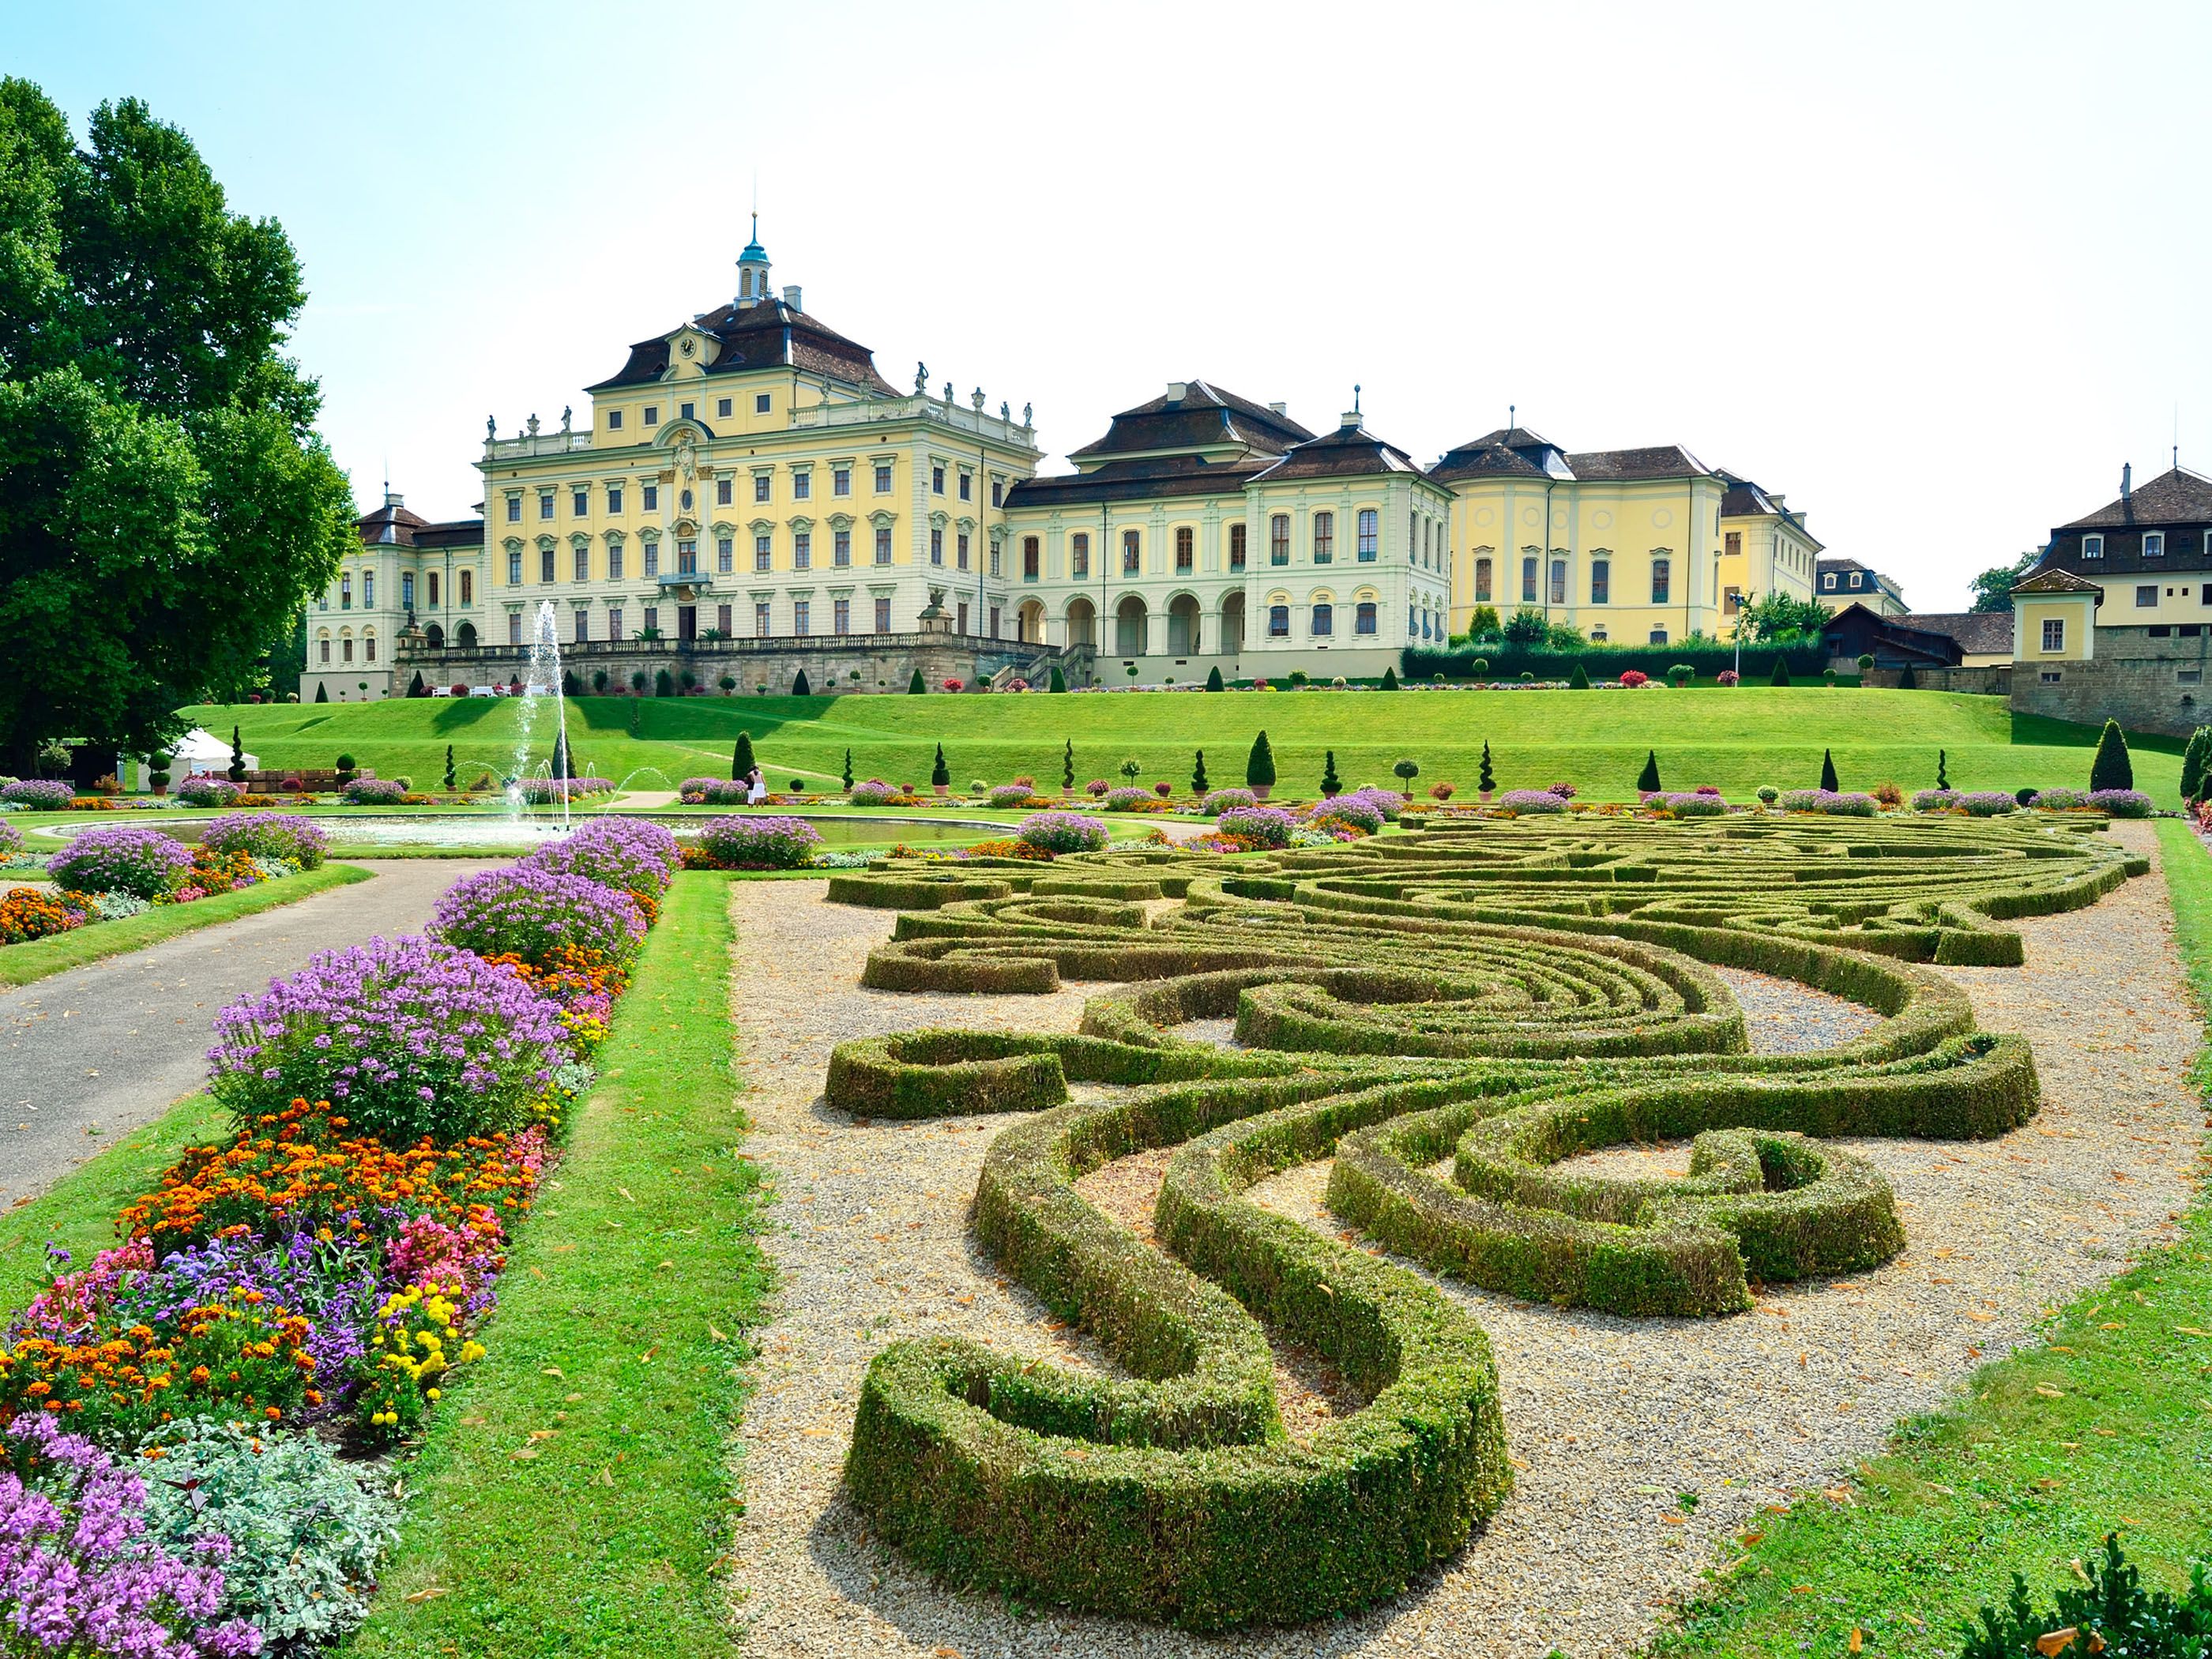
[(199, 753)]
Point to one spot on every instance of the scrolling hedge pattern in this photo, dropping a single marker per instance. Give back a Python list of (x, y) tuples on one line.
[(1451, 1015)]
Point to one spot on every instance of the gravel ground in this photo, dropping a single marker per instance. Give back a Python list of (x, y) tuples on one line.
[(1612, 1421)]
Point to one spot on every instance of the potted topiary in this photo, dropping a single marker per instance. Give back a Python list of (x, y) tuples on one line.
[(940, 776), (1486, 781), (345, 770), (157, 772), (1260, 766)]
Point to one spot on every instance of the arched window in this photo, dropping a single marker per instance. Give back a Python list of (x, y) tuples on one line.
[(1279, 622), (1661, 582), (1324, 621), (1482, 581), (1600, 581), (323, 648), (1363, 617)]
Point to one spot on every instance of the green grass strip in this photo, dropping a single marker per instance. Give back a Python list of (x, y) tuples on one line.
[(20, 964), (1967, 1497), (619, 1336)]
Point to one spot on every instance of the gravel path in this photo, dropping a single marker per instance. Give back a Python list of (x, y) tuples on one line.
[(99, 1050), (1612, 1421)]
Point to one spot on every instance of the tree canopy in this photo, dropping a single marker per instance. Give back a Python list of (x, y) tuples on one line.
[(1775, 617), (166, 506), (1993, 587)]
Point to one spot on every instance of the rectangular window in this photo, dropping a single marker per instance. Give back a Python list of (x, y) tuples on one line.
[(1661, 580), (323, 645), (545, 504), (614, 621), (1324, 621), (1370, 533), (1279, 622), (995, 622), (2160, 631), (802, 485), (2153, 545), (583, 627), (762, 482), (937, 480), (725, 491), (761, 619), (883, 615), (515, 567), (1279, 539), (368, 590), (1183, 555), (614, 419), (996, 555), (840, 480), (687, 412), (1030, 558), (1363, 617), (960, 622), (841, 547), (2093, 547), (653, 619), (407, 589), (1235, 547), (760, 403), (840, 615), (1132, 552), (1600, 581), (614, 498), (998, 492), (1732, 544), (582, 566), (1559, 581), (764, 553), (960, 551), (800, 610), (2189, 677), (882, 478), (580, 503), (967, 486), (722, 611), (936, 545), (2054, 634), (468, 587), (802, 550), (651, 494), (687, 557), (545, 564), (1079, 556), (653, 414), (726, 555), (722, 412), (513, 631), (2147, 595), (1731, 601), (514, 509), (652, 559), (882, 545), (368, 647), (1527, 582), (1482, 581), (1324, 537), (614, 561)]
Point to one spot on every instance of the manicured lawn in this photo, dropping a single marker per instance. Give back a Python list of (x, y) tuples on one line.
[(2103, 1428), (618, 1339), (1597, 740), (22, 963)]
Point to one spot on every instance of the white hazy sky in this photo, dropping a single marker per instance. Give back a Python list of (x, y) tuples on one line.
[(1935, 270)]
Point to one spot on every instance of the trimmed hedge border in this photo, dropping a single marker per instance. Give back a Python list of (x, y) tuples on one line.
[(1506, 996)]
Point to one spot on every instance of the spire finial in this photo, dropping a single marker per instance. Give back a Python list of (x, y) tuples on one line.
[(1355, 397)]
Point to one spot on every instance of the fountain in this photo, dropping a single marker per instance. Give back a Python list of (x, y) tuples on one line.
[(544, 680)]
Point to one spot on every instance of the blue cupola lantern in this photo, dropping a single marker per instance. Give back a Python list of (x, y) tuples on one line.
[(752, 269)]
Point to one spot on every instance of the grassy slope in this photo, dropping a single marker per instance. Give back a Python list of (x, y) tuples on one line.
[(1967, 1497), (1736, 739), (608, 1539), (22, 963)]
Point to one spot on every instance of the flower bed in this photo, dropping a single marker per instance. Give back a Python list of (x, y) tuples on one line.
[(209, 791), (1521, 801), (1222, 800), (40, 794), (1062, 832), (535, 912), (551, 789), (1260, 826), (30, 912), (762, 844), (144, 863), (1830, 802), (2120, 803), (1696, 806), (374, 791), (284, 836), (714, 792), (319, 1275)]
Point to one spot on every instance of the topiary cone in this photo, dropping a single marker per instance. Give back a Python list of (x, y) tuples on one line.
[(1828, 771), (1260, 766), (1647, 780), (2111, 769)]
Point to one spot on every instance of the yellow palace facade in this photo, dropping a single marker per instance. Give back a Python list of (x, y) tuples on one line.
[(746, 496)]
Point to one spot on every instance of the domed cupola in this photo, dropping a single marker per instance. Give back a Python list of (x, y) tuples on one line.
[(752, 270)]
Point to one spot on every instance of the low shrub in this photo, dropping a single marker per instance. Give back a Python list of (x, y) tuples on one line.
[(144, 863), (1122, 800), (1062, 832), (1524, 801), (1262, 826), (1828, 801), (1698, 805), (2107, 1611), (2120, 803), (209, 792), (764, 843), (540, 914), (40, 794), (285, 835), (2060, 800), (1097, 787), (1222, 800), (874, 793), (1011, 794), (1935, 800), (1356, 810), (374, 792), (1888, 796), (1985, 803), (1632, 678), (405, 1037)]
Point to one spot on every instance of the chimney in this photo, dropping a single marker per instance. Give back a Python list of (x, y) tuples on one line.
[(1280, 408), (791, 292), (1348, 419), (2127, 481), (393, 498), (1177, 390)]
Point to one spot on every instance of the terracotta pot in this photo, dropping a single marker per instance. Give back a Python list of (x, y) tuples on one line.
[(1259, 790), (938, 789), (1485, 795)]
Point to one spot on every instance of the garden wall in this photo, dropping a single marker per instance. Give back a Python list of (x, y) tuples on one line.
[(1509, 662)]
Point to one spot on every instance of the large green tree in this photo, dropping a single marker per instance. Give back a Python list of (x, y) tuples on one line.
[(1776, 619), (1993, 587), (166, 506)]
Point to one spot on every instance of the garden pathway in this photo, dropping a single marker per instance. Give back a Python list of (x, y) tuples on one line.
[(99, 1050)]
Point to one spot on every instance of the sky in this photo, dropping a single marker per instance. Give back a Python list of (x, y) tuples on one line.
[(1934, 272)]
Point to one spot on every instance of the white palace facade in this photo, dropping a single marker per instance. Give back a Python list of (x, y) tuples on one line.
[(746, 497)]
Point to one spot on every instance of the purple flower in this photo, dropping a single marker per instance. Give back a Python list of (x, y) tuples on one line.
[(2120, 803), (44, 793), (144, 863), (762, 843), (1524, 801), (633, 854), (532, 912), (1062, 832), (267, 835), (1263, 826)]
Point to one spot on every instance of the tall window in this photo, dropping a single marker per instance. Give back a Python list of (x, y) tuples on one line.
[(996, 556), (960, 549), (513, 632), (802, 550), (764, 486), (545, 564), (761, 619), (882, 545), (431, 583), (345, 644), (802, 485), (1279, 539), (581, 566), (580, 503), (652, 619), (1235, 547), (882, 478), (614, 621), (1369, 535), (1600, 581), (841, 547), (614, 498), (545, 504), (1324, 621), (1029, 558), (687, 556), (1559, 581), (725, 491), (345, 588), (1078, 556), (1132, 553), (995, 622), (651, 494), (763, 551), (583, 626), (1482, 581), (1279, 622), (883, 615), (1529, 582), (515, 567), (967, 486), (960, 621), (514, 509), (2054, 634), (726, 555), (1732, 544), (936, 545), (998, 492), (406, 590), (840, 615), (369, 644), (1183, 559), (1663, 572), (722, 622), (468, 587), (1363, 617), (840, 480), (368, 590), (1324, 537), (937, 480), (614, 561), (323, 648), (652, 559)]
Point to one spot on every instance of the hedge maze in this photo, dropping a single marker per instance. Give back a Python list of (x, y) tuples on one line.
[(1452, 1016)]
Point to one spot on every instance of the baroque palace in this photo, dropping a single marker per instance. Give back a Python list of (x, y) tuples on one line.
[(747, 499)]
